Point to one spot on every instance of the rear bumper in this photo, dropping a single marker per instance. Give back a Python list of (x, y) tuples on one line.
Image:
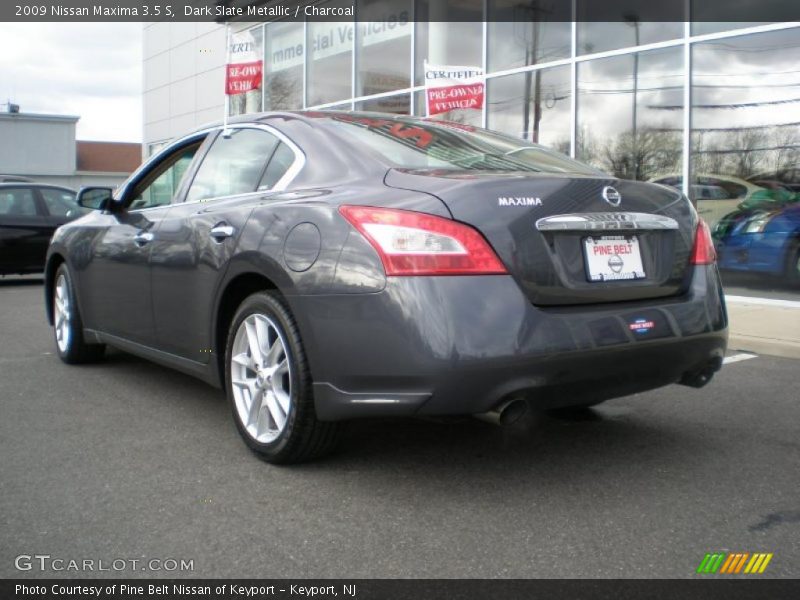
[(461, 345)]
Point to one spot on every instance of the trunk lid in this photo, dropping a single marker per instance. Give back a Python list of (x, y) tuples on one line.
[(562, 240)]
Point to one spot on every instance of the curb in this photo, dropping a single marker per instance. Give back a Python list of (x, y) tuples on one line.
[(763, 346)]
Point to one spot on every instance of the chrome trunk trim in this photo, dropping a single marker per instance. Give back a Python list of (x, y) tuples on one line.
[(626, 221)]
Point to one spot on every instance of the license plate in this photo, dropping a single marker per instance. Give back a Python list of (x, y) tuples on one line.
[(613, 257)]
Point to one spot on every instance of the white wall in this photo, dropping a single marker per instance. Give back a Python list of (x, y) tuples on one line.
[(83, 179), (37, 144), (184, 78)]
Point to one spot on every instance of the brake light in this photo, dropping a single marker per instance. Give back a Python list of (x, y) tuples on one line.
[(703, 252), (413, 243)]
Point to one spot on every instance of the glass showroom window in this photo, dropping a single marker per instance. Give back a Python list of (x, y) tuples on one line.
[(383, 54), (602, 36), (342, 106), (527, 34), (249, 102), (399, 104), (630, 113), (534, 106), (283, 66), (746, 150), (448, 43), (602, 28), (329, 65)]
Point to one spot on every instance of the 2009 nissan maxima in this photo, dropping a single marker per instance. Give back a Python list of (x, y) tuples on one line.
[(325, 266)]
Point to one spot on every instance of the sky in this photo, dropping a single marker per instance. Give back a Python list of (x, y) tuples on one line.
[(90, 70)]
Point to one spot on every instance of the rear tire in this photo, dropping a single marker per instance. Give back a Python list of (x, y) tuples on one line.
[(268, 383), (68, 325)]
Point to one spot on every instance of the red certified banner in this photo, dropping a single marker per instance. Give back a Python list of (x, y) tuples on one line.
[(449, 87), (444, 99), (243, 77)]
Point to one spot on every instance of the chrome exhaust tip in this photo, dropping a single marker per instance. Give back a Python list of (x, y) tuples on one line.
[(506, 413)]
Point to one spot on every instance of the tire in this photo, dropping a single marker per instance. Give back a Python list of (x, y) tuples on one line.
[(792, 269), (68, 325), (282, 428)]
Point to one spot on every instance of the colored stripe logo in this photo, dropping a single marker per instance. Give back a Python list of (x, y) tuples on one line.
[(734, 563)]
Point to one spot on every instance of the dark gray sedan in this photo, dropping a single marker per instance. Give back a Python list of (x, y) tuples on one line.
[(325, 266)]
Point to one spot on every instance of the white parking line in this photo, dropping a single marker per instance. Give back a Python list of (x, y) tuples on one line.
[(738, 357)]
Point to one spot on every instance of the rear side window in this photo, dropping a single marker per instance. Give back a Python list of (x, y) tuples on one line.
[(234, 165), (18, 202), (277, 167), (59, 203)]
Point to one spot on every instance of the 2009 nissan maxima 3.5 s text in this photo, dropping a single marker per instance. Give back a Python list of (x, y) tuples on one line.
[(325, 266)]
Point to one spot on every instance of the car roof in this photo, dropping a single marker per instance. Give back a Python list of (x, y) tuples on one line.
[(28, 184), (302, 115)]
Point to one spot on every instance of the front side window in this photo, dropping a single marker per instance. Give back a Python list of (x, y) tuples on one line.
[(159, 187), (412, 144), (18, 202), (234, 165)]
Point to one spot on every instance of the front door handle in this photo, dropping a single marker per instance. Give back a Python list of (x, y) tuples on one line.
[(221, 231), (143, 237)]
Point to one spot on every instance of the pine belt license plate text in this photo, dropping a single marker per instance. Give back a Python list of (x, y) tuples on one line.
[(613, 257)]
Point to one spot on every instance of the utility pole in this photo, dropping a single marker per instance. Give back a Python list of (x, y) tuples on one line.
[(531, 14), (632, 19)]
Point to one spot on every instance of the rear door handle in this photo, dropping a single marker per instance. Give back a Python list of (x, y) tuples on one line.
[(221, 231), (143, 237)]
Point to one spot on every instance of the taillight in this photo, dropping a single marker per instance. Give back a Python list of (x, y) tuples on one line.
[(703, 252), (412, 243)]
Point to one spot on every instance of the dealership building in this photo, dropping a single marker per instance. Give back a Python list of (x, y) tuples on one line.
[(709, 107)]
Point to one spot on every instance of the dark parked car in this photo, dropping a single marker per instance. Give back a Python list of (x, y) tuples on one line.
[(29, 214), (324, 266)]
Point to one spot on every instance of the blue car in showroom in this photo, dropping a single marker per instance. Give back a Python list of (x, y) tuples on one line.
[(764, 238)]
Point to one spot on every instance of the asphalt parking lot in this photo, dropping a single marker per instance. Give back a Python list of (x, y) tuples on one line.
[(130, 460)]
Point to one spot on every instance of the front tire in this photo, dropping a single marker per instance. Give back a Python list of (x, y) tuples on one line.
[(68, 325), (268, 383)]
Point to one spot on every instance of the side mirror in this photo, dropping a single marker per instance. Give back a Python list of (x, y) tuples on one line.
[(95, 198)]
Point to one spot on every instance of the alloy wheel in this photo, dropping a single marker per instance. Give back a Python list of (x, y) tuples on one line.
[(63, 313), (261, 378)]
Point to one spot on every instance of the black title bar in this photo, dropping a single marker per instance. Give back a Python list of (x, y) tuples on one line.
[(742, 11), (403, 589)]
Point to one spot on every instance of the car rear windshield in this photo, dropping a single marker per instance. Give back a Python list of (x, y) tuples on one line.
[(417, 144)]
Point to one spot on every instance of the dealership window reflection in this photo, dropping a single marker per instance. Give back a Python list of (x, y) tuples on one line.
[(329, 60), (398, 104), (527, 33), (283, 72), (383, 47), (630, 113), (746, 152), (534, 106)]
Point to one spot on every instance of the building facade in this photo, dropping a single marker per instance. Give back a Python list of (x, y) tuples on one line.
[(43, 148), (710, 107)]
